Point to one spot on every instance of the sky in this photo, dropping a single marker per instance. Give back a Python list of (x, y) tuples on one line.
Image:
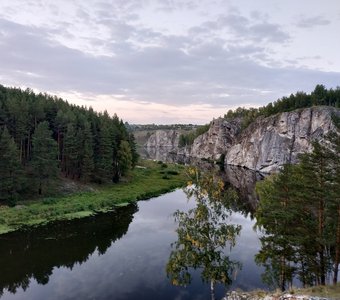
[(169, 61)]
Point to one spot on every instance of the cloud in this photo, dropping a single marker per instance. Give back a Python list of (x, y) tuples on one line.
[(310, 22), (156, 74), (217, 63)]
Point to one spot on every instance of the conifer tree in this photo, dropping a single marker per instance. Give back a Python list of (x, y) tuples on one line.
[(124, 158), (71, 154), (104, 166), (133, 147), (11, 175), (87, 162), (44, 157)]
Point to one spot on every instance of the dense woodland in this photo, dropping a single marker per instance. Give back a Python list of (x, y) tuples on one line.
[(43, 138), (299, 212), (320, 96)]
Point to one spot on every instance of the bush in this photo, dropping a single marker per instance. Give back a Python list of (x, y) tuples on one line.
[(49, 200), (172, 172)]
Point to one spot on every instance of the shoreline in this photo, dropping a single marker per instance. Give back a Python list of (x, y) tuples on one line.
[(151, 180)]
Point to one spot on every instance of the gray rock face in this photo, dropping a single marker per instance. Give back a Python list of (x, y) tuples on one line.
[(163, 138), (264, 146), (163, 145), (220, 136), (217, 140), (268, 143)]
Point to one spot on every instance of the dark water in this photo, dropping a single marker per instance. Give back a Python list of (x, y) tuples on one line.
[(119, 255)]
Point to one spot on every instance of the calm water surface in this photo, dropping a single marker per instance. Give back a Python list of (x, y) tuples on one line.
[(119, 255)]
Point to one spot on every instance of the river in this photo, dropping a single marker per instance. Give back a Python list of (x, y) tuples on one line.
[(118, 255)]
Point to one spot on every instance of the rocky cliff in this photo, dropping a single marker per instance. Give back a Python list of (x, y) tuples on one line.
[(264, 145), (163, 145), (163, 139), (268, 143), (210, 145), (221, 135)]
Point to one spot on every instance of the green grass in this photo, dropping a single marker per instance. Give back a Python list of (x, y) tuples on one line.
[(327, 291), (142, 184)]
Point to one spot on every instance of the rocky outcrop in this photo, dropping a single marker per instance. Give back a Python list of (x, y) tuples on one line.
[(262, 295), (210, 145), (268, 143), (217, 140), (265, 145), (162, 145), (163, 139)]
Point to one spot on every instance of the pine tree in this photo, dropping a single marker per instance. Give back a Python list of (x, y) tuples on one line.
[(133, 147), (104, 166), (317, 190), (11, 175), (277, 214), (334, 207), (124, 158), (44, 157), (87, 162), (71, 155)]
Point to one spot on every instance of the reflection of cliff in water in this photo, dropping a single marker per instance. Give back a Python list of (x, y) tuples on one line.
[(244, 180), (34, 254)]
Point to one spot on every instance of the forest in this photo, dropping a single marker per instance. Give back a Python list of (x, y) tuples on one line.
[(320, 96), (299, 214), (43, 138)]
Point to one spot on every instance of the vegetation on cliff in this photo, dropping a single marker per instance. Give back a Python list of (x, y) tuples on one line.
[(187, 139), (320, 96)]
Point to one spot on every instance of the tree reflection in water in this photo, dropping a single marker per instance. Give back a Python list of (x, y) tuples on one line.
[(33, 254), (204, 234)]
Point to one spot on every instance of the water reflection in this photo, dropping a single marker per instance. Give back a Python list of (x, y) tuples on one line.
[(244, 181), (33, 254), (204, 233), (166, 154)]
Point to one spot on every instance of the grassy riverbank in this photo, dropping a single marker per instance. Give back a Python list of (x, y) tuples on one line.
[(148, 180)]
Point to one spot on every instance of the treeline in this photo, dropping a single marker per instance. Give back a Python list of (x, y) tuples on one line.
[(137, 127), (43, 137), (299, 213), (187, 139), (320, 96)]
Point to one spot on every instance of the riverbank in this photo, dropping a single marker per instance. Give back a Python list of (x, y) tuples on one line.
[(149, 179), (327, 292)]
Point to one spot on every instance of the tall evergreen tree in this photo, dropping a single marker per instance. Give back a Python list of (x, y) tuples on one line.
[(104, 165), (11, 175), (71, 152), (124, 158), (134, 152), (87, 162), (44, 154)]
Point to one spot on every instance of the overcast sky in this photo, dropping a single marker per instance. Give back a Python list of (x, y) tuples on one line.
[(169, 61)]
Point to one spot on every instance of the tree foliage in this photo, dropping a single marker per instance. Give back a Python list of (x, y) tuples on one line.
[(204, 233), (87, 142), (320, 96), (299, 214), (187, 139), (11, 177)]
